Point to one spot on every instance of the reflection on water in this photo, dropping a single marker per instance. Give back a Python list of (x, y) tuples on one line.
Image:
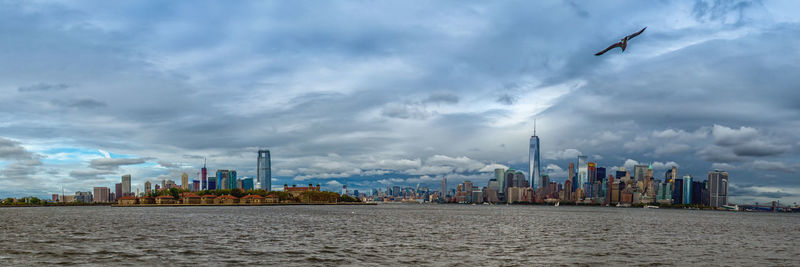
[(395, 234)]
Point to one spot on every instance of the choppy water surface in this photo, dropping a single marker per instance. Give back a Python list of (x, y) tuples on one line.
[(395, 235)]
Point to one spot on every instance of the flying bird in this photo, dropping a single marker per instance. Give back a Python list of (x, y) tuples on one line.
[(623, 43)]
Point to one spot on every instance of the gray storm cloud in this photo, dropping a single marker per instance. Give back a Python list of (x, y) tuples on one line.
[(423, 91)]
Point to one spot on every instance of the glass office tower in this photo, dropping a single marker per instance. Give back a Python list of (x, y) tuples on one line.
[(264, 170), (535, 179), (583, 172)]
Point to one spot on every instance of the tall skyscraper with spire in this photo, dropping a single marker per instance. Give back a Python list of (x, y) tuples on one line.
[(204, 176), (533, 161), (264, 170)]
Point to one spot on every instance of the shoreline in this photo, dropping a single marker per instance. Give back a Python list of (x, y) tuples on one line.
[(243, 205)]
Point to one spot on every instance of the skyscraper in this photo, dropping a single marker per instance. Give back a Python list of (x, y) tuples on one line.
[(571, 176), (185, 181), (147, 187), (535, 179), (232, 179), (126, 185), (717, 188), (499, 175), (601, 173), (639, 172), (204, 176), (677, 191), (687, 189), (247, 184), (671, 175), (583, 172), (264, 170), (222, 179), (118, 190)]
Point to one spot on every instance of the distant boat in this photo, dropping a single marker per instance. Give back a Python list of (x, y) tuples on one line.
[(557, 203), (733, 208), (651, 207)]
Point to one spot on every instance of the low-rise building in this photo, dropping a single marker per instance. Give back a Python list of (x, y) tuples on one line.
[(251, 199), (161, 200), (296, 191), (147, 200), (190, 198), (127, 201), (271, 199), (208, 199), (227, 200)]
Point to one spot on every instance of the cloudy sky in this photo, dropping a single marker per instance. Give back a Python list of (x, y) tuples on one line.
[(372, 94)]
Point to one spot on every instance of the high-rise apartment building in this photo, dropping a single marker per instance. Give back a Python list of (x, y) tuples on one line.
[(718, 188), (126, 185), (185, 181), (101, 194), (534, 179), (264, 170), (147, 187)]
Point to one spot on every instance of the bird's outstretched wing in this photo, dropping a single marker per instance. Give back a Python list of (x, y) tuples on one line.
[(615, 45), (636, 33)]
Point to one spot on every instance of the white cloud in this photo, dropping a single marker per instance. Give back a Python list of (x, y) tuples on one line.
[(722, 166), (569, 153), (492, 167), (663, 166), (105, 153), (629, 163)]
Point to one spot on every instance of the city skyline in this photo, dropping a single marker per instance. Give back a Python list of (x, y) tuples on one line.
[(342, 96)]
